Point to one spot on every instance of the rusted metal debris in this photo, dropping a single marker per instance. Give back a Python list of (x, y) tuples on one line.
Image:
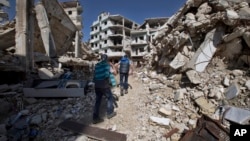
[(207, 130), (169, 134), (93, 132)]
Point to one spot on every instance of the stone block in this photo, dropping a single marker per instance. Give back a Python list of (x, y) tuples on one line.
[(232, 91), (165, 111), (205, 105), (247, 84), (244, 13)]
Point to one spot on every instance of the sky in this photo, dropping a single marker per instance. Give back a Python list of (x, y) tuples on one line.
[(135, 10)]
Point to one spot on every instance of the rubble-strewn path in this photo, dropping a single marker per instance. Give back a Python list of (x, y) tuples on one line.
[(131, 111)]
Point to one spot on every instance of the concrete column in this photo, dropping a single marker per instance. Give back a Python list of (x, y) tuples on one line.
[(77, 48), (123, 32), (23, 27)]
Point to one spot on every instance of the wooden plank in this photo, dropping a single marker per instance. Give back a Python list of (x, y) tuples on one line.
[(57, 92), (93, 132)]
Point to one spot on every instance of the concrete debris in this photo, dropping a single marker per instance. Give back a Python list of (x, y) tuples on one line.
[(226, 81), (205, 105), (193, 76), (237, 115), (232, 91), (247, 84), (165, 111), (160, 121)]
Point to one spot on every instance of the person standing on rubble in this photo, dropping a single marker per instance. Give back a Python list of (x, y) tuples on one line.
[(125, 69), (102, 87)]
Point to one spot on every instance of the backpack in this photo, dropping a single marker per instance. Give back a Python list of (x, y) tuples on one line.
[(124, 65)]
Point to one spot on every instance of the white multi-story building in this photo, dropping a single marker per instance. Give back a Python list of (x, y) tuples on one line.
[(110, 34), (142, 37), (74, 10)]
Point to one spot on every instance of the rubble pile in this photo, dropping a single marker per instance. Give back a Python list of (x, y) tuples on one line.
[(200, 31)]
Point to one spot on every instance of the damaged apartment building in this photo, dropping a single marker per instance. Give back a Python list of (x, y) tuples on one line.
[(116, 35), (110, 34)]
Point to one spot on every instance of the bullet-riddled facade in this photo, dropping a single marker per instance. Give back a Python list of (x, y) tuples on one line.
[(110, 34)]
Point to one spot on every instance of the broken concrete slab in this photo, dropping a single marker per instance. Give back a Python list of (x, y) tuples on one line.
[(193, 76), (165, 111), (197, 94), (179, 61), (237, 115), (226, 81), (179, 94), (70, 88), (205, 105), (44, 25), (61, 92), (64, 29), (206, 50), (160, 121), (232, 91)]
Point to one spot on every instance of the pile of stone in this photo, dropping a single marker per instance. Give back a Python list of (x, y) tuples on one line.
[(204, 51), (177, 103), (198, 32)]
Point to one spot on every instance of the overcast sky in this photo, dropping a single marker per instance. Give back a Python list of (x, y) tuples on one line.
[(136, 10)]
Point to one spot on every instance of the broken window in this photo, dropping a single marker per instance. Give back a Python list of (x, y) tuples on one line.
[(106, 32), (105, 23), (105, 41), (105, 50), (141, 37), (70, 12), (100, 37), (100, 46)]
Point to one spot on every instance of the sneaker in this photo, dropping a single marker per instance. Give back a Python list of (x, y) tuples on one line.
[(97, 120), (111, 115)]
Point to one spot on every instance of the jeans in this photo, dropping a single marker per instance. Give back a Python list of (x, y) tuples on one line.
[(124, 80), (110, 101)]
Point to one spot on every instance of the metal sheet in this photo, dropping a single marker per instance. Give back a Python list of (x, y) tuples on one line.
[(207, 130)]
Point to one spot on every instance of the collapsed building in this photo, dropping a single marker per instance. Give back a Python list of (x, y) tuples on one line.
[(49, 32)]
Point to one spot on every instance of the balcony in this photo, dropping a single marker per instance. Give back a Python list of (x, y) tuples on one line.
[(115, 54), (139, 42)]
